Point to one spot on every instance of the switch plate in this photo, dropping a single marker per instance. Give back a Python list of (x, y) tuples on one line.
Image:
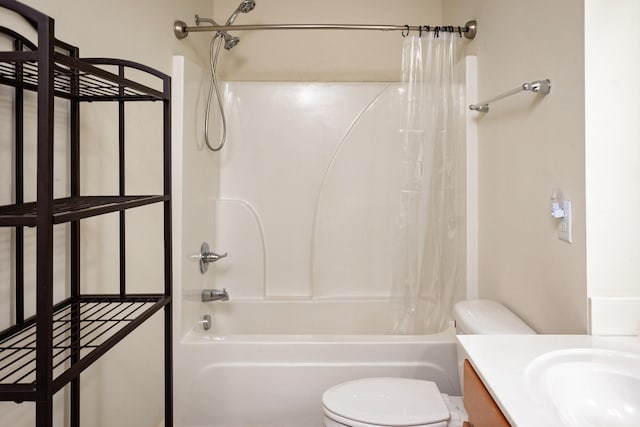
[(565, 225)]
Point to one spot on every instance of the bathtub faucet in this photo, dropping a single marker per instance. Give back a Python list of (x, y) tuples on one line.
[(214, 295)]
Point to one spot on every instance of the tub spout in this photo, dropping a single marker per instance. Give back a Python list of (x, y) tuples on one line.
[(214, 295)]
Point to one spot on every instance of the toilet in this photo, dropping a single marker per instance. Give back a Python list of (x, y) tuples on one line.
[(398, 402)]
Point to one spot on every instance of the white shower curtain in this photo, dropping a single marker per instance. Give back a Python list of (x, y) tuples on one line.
[(429, 257)]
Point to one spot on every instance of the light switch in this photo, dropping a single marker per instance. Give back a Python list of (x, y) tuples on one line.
[(564, 226)]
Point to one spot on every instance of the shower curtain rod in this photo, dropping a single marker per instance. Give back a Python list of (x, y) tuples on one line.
[(181, 30)]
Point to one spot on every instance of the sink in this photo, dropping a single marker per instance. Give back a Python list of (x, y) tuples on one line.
[(588, 387)]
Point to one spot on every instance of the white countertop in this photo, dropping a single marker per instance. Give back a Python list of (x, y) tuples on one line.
[(501, 360)]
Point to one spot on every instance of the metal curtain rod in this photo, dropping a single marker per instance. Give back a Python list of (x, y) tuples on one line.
[(181, 30), (539, 86)]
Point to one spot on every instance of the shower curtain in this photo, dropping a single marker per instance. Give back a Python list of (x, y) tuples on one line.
[(429, 254)]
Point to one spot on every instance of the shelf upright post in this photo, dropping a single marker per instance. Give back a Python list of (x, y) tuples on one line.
[(121, 185), (44, 224), (168, 272), (19, 185), (74, 123)]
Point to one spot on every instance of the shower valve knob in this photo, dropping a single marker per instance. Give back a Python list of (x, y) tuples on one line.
[(207, 257), (212, 256)]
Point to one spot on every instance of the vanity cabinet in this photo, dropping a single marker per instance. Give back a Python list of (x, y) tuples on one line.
[(481, 408)]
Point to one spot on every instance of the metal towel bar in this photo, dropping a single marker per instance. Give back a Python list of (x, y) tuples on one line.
[(539, 86)]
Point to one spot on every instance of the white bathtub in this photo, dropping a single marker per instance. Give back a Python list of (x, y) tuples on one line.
[(236, 376), (371, 316)]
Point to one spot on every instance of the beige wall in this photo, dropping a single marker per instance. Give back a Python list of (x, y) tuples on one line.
[(320, 55), (527, 147), (124, 388), (137, 30)]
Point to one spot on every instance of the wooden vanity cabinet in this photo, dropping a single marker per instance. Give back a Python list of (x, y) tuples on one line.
[(481, 408)]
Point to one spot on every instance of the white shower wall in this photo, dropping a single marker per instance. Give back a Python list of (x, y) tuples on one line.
[(194, 189), (307, 182)]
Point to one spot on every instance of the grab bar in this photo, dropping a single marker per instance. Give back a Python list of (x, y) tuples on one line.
[(539, 86)]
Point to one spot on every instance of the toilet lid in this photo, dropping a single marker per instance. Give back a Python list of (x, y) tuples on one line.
[(387, 401)]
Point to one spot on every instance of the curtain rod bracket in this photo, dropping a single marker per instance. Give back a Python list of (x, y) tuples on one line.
[(472, 29), (178, 29)]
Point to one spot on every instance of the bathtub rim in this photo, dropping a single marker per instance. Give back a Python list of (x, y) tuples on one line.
[(200, 337)]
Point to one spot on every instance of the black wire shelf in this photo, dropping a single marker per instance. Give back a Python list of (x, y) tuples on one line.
[(84, 328), (74, 79), (42, 354), (73, 208)]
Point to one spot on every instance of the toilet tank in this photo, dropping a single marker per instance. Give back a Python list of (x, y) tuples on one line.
[(475, 317)]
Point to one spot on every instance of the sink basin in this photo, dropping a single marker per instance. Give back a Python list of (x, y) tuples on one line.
[(588, 387)]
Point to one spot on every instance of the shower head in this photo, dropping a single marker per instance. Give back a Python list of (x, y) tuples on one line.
[(230, 41), (245, 6)]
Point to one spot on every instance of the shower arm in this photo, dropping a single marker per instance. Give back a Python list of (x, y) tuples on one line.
[(181, 30), (207, 20)]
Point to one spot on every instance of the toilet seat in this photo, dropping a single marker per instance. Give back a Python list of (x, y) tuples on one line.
[(386, 402)]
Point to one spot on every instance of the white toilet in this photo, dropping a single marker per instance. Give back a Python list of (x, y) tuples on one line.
[(376, 402)]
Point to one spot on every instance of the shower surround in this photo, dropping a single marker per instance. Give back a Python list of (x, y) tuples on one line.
[(308, 193), (304, 199)]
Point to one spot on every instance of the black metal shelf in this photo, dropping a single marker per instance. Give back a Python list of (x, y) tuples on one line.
[(75, 78), (41, 355), (73, 208), (89, 325)]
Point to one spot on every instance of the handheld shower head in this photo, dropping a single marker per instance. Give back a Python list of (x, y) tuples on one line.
[(245, 6), (230, 42)]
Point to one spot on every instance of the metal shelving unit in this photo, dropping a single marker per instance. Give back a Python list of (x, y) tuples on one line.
[(41, 354)]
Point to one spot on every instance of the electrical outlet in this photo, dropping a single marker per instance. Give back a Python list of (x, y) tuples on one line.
[(565, 225)]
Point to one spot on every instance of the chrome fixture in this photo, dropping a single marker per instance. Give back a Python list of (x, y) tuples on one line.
[(230, 42), (178, 29), (206, 257), (205, 322), (542, 87), (245, 6), (469, 30), (472, 29), (214, 295)]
